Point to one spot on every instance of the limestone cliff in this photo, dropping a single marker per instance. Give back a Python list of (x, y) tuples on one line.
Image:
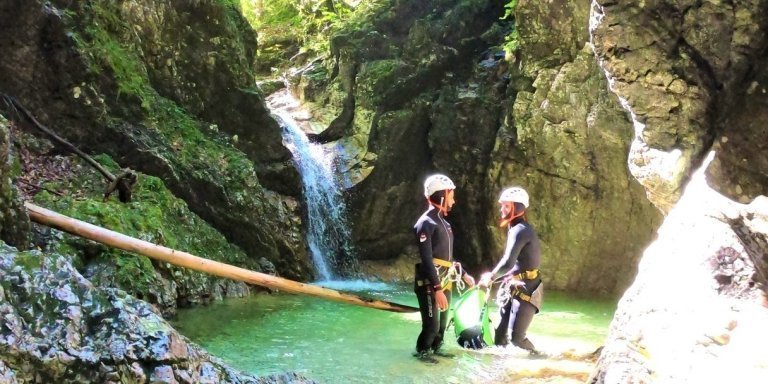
[(427, 88), (692, 76), (686, 71), (166, 89)]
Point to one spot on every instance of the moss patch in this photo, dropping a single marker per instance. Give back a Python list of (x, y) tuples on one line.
[(154, 215), (379, 79), (29, 261), (191, 144)]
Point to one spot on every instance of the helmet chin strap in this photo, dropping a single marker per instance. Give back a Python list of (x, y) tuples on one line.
[(511, 216), (442, 207)]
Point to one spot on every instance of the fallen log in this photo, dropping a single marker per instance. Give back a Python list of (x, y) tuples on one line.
[(182, 259)]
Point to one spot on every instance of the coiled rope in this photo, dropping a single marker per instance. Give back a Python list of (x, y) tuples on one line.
[(452, 276)]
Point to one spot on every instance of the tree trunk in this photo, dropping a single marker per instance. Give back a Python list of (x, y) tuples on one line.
[(186, 260)]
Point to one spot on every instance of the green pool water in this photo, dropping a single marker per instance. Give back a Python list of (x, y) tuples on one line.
[(340, 343)]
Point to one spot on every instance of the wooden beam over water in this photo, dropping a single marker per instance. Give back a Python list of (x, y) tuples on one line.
[(183, 259)]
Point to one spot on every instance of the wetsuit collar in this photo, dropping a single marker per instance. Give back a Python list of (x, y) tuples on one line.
[(516, 220), (434, 208)]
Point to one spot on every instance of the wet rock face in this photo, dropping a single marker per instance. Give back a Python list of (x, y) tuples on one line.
[(380, 87), (681, 68), (442, 97), (201, 55), (552, 32), (14, 222), (166, 91), (57, 327), (564, 140)]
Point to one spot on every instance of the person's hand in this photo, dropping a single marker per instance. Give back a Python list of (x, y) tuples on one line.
[(485, 279), (469, 280), (442, 301)]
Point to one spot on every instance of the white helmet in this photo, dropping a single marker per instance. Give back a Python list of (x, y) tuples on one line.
[(514, 195), (436, 183)]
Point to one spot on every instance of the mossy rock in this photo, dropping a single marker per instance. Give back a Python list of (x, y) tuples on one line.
[(379, 79), (14, 223), (190, 113), (154, 215)]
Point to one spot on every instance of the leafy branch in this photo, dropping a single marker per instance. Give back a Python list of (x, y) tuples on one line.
[(511, 40)]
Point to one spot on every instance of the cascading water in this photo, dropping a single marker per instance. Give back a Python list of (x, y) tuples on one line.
[(328, 235)]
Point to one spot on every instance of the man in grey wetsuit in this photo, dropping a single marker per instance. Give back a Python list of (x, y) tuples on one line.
[(435, 241), (519, 266)]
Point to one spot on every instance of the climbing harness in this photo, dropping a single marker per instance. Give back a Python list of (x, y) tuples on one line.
[(508, 290), (527, 275), (452, 273)]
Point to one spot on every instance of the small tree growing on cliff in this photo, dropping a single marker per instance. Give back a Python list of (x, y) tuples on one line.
[(511, 40)]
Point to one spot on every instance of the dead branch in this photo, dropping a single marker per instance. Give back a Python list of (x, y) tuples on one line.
[(61, 141), (123, 184)]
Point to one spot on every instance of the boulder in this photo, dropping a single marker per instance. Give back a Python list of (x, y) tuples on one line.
[(58, 327)]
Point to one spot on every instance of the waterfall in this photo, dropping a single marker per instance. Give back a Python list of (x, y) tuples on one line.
[(328, 235)]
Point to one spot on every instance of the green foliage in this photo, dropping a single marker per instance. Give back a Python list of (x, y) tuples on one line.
[(509, 9), (511, 40), (266, 13), (278, 24), (310, 23), (320, 19), (105, 51), (511, 43)]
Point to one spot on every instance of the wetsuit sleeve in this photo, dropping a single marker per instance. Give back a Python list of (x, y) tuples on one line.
[(424, 231), (517, 238)]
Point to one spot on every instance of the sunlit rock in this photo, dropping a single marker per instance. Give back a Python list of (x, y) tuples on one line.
[(696, 305), (677, 70)]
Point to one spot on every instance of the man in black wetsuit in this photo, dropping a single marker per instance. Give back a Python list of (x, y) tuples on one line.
[(435, 240), (519, 268)]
